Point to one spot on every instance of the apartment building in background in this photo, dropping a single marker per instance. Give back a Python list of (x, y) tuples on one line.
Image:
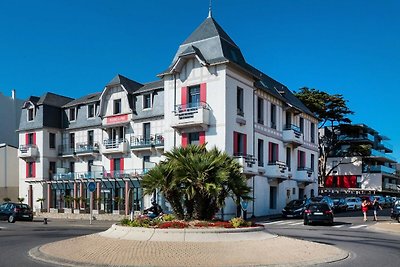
[(208, 95), (374, 171), (10, 108)]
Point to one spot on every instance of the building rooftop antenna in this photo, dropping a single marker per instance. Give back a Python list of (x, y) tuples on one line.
[(210, 9)]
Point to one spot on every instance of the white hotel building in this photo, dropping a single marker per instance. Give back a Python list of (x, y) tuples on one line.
[(209, 94)]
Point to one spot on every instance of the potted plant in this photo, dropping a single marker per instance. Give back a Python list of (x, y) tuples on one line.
[(41, 200), (67, 200)]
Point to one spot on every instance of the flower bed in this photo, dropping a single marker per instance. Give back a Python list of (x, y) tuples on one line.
[(169, 222)]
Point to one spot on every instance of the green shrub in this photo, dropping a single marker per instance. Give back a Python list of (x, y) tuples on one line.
[(239, 222), (168, 217), (125, 222)]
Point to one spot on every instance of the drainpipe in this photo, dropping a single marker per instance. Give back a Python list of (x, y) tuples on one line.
[(254, 145), (174, 73)]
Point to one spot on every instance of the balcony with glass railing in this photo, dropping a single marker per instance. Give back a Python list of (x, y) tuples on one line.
[(121, 174), (368, 138), (378, 155), (66, 150), (146, 143), (112, 146), (191, 115), (293, 135), (276, 169), (87, 148), (304, 174), (378, 169), (386, 146), (28, 151), (248, 163)]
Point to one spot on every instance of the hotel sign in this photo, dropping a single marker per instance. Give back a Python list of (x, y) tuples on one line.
[(117, 119)]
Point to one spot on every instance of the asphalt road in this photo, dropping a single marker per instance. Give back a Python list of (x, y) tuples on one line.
[(16, 239), (349, 232)]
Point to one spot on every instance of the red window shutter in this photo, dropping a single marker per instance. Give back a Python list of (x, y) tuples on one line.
[(270, 152), (244, 136), (184, 96), (27, 170), (121, 164), (111, 165), (184, 139), (299, 159), (303, 159), (202, 138), (235, 143), (34, 169), (26, 139), (34, 138), (203, 92)]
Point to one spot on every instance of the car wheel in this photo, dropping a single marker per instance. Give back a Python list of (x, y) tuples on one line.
[(11, 219)]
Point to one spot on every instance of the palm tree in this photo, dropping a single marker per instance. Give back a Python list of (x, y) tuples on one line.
[(20, 199), (41, 200), (196, 181)]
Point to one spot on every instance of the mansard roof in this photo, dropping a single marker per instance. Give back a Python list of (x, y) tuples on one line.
[(54, 100), (151, 86), (84, 100), (128, 84)]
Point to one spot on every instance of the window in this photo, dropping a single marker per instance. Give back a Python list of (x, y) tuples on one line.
[(31, 114), (273, 153), (273, 116), (301, 161), (72, 114), (72, 140), (31, 138), (91, 111), (193, 138), (260, 155), (273, 197), (146, 160), (117, 106), (260, 110), (52, 169), (90, 164), (146, 131), (239, 101), (194, 96), (288, 120), (90, 137), (239, 144), (52, 140), (72, 167), (302, 125), (146, 101), (31, 169), (288, 158), (312, 132), (312, 162)]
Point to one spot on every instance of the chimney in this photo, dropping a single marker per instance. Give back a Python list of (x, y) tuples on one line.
[(13, 94)]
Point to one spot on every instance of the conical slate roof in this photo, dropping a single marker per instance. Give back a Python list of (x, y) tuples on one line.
[(129, 84)]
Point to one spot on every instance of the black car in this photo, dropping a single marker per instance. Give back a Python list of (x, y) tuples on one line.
[(395, 214), (294, 209), (15, 211), (318, 213), (339, 204)]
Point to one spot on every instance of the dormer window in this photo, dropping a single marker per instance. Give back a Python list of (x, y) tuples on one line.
[(147, 101), (91, 110), (72, 114), (31, 114), (117, 106)]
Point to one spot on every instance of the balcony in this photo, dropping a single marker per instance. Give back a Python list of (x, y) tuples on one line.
[(140, 143), (66, 151), (378, 169), (192, 115), (361, 138), (304, 174), (276, 169), (112, 146), (385, 146), (123, 174), (248, 163), (391, 187), (87, 149), (378, 155), (28, 151), (293, 135)]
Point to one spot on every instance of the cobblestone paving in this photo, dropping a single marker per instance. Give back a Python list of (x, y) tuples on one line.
[(94, 249)]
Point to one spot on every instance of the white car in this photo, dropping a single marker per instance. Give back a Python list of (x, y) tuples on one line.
[(353, 203)]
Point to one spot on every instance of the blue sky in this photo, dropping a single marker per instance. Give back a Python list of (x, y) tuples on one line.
[(341, 47)]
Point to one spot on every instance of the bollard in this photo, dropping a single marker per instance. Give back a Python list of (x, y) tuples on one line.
[(45, 221)]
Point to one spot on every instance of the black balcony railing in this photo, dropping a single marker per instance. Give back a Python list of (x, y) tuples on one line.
[(191, 107), (65, 150), (142, 141), (87, 147)]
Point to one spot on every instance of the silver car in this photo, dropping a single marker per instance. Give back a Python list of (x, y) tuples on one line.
[(353, 203)]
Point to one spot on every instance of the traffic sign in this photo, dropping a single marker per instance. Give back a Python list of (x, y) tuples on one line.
[(92, 186), (244, 204)]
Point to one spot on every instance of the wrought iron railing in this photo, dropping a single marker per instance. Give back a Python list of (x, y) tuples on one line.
[(142, 141)]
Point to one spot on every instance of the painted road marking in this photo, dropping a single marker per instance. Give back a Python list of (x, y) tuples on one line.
[(338, 226), (298, 223), (358, 226)]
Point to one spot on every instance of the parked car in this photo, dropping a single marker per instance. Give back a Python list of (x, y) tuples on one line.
[(294, 209), (395, 212), (318, 213), (353, 203), (339, 204), (15, 211), (323, 199), (389, 202)]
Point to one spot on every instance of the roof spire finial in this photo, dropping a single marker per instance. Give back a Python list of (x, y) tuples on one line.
[(210, 9)]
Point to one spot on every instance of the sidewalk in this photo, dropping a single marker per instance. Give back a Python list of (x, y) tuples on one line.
[(117, 247)]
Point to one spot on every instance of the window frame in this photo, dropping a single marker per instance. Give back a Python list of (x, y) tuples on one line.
[(52, 141), (260, 110), (29, 110), (72, 111), (260, 152), (273, 120), (240, 101), (149, 101), (115, 102), (88, 111)]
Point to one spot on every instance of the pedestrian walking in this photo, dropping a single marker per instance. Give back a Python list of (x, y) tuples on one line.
[(376, 206), (364, 209)]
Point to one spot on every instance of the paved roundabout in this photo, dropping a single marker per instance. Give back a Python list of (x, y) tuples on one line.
[(131, 246)]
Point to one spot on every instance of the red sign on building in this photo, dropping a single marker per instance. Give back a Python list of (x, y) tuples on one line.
[(117, 119)]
